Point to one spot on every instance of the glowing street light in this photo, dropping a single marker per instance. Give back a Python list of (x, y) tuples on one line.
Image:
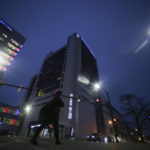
[(28, 108), (110, 122), (96, 86), (114, 119)]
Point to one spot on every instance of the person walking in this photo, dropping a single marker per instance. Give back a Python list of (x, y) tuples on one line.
[(49, 114)]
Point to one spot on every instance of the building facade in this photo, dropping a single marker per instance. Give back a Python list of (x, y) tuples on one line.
[(10, 118), (73, 69), (11, 42)]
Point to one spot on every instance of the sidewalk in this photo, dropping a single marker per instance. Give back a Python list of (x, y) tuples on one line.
[(23, 143)]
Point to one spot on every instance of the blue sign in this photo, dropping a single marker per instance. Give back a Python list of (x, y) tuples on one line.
[(17, 112)]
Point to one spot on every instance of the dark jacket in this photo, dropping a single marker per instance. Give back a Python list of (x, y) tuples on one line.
[(51, 109)]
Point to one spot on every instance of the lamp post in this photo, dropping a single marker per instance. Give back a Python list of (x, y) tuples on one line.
[(112, 115), (97, 87)]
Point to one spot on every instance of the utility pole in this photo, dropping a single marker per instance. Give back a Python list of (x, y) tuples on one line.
[(112, 116)]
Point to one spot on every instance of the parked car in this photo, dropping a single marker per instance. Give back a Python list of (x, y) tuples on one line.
[(94, 137), (97, 137)]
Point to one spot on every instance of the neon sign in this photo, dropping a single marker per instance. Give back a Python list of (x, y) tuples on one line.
[(70, 106), (6, 25)]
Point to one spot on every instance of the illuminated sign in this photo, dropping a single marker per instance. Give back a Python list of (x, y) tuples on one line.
[(37, 125), (70, 107), (6, 110), (13, 122), (6, 25), (17, 112)]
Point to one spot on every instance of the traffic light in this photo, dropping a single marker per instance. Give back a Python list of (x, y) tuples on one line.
[(20, 88), (1, 83), (114, 120), (58, 92), (97, 101), (41, 93), (78, 98)]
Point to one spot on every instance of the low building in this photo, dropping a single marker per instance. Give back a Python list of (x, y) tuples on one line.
[(10, 118)]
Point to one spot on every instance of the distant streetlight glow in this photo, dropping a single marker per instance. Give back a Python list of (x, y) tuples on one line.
[(83, 79), (110, 122), (28, 108)]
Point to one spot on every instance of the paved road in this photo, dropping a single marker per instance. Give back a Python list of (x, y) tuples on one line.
[(21, 143)]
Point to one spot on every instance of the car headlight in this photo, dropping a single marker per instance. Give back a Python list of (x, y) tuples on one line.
[(106, 140), (93, 136)]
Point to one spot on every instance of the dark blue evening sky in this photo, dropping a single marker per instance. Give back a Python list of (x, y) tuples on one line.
[(113, 29)]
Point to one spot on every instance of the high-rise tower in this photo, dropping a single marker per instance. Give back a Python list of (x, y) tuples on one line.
[(10, 44), (73, 69)]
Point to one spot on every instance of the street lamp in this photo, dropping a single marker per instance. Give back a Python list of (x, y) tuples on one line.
[(110, 122), (96, 86), (28, 108)]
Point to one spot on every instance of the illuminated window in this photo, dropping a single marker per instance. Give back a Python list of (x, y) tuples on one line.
[(11, 46), (7, 63), (4, 62), (14, 42), (6, 110), (13, 122), (2, 109), (4, 35), (11, 58), (1, 39), (3, 55), (17, 49), (7, 121), (20, 114), (10, 111), (17, 123), (9, 51), (3, 68)]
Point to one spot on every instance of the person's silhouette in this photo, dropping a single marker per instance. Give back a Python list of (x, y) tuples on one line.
[(49, 113)]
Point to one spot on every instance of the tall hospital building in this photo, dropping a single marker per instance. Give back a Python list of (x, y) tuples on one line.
[(73, 69)]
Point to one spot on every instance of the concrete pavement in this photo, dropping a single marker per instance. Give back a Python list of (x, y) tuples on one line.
[(22, 143)]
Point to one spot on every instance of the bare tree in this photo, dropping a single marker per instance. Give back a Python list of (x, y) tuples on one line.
[(136, 111)]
